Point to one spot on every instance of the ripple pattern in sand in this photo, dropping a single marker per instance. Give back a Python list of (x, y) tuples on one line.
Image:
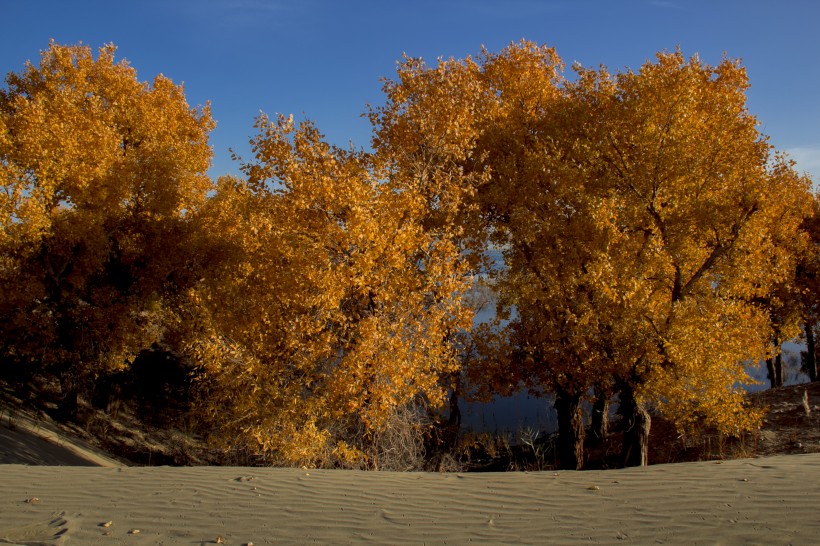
[(736, 502)]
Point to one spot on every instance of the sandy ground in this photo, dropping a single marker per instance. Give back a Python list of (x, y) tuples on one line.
[(93, 499), (770, 500), (25, 440)]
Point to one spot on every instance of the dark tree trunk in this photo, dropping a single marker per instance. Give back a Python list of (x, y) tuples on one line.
[(774, 371), (69, 404), (770, 375), (636, 421), (570, 431), (774, 366), (600, 416), (448, 431), (810, 363), (454, 419)]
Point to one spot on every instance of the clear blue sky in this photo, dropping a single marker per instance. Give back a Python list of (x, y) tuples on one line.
[(323, 59)]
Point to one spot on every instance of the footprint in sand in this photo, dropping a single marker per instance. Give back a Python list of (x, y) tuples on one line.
[(47, 533)]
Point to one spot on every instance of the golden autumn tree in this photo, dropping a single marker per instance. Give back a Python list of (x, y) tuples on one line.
[(560, 336), (647, 224), (100, 174), (808, 290), (474, 135), (701, 205), (424, 136), (331, 308), (787, 304), (641, 217), (484, 131)]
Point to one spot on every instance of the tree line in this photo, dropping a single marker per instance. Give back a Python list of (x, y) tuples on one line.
[(654, 245)]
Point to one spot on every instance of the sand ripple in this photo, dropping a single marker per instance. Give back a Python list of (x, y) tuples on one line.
[(755, 501)]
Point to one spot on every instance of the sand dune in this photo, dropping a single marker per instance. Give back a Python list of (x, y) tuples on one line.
[(753, 501), (769, 500), (25, 440)]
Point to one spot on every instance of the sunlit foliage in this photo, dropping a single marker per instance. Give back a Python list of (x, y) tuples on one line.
[(331, 308), (707, 216), (99, 174), (642, 218), (653, 244)]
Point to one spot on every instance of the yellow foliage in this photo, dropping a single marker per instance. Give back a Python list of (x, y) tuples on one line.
[(99, 172), (330, 305), (650, 237), (645, 222)]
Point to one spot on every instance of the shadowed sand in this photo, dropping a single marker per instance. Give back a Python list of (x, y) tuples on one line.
[(751, 501), (24, 440)]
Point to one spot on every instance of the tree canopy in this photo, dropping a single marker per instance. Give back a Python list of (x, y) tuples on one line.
[(654, 245), (643, 221), (100, 175), (333, 307)]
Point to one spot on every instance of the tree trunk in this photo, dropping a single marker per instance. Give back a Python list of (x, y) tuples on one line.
[(770, 375), (774, 371), (600, 416), (774, 366), (69, 403), (637, 421), (454, 418), (810, 363), (570, 431)]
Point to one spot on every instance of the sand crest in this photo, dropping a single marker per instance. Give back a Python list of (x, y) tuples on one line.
[(753, 501)]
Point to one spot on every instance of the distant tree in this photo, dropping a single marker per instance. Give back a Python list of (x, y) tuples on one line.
[(787, 315), (100, 174)]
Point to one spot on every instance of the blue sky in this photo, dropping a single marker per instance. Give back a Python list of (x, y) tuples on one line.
[(324, 59)]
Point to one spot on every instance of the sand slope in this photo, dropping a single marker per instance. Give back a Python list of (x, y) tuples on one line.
[(25, 440), (754, 501)]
